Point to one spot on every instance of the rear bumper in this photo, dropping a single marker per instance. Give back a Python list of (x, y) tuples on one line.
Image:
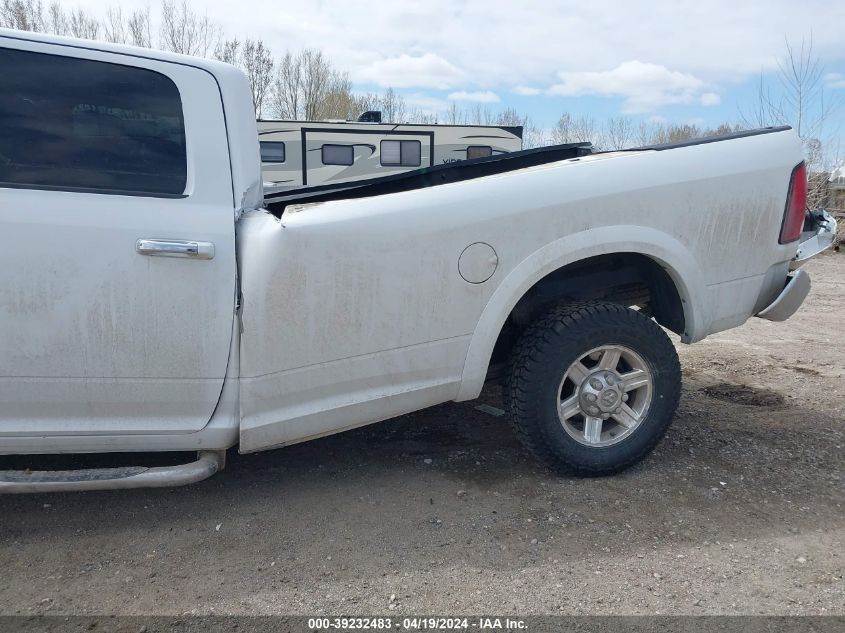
[(819, 237), (789, 300)]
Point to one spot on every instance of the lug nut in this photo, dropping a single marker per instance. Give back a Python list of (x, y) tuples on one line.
[(595, 383), (610, 379), (593, 410), (618, 410), (590, 396), (604, 416), (624, 397)]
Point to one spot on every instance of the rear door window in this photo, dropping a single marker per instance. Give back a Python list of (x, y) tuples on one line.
[(77, 124)]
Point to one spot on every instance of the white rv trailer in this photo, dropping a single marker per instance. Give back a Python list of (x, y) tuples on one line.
[(308, 153)]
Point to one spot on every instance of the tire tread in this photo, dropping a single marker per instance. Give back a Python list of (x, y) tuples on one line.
[(526, 362)]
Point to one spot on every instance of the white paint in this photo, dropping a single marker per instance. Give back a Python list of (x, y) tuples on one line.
[(98, 339), (353, 310), (478, 262)]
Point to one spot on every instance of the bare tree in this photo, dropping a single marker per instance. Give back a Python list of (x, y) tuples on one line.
[(307, 86), (569, 129), (56, 20), (798, 98), (140, 28), (184, 31), (228, 51), (480, 114), (453, 114), (365, 102), (339, 102), (29, 15), (82, 25), (618, 132), (510, 117), (23, 15), (422, 118), (643, 133), (257, 63), (284, 91), (256, 60), (114, 27), (392, 106), (318, 78), (533, 135)]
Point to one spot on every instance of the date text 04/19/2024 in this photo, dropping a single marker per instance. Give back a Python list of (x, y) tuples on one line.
[(416, 624)]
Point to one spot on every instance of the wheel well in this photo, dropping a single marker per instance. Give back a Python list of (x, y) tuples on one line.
[(631, 279)]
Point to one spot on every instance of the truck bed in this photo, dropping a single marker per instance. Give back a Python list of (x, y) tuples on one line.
[(466, 170)]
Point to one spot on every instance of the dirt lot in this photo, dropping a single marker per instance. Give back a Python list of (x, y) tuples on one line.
[(739, 510)]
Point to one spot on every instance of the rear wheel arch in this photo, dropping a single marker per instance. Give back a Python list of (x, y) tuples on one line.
[(668, 268)]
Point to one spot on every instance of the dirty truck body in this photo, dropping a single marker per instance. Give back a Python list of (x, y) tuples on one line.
[(152, 300)]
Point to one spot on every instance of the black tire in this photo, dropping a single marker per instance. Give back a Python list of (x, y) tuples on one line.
[(540, 360)]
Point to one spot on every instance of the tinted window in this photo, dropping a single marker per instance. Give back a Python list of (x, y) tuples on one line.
[(338, 155), (272, 152), (479, 151), (70, 123), (403, 153)]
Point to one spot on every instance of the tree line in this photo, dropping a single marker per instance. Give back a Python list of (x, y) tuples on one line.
[(306, 85), (294, 85)]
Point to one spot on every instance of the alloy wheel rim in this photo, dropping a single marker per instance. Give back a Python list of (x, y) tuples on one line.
[(605, 395)]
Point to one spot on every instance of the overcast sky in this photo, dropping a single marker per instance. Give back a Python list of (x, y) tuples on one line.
[(682, 61)]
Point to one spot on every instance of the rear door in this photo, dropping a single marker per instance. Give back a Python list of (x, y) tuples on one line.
[(117, 261), (332, 155)]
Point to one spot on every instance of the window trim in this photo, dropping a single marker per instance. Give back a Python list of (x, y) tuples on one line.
[(469, 147), (343, 145), (400, 163), (37, 49), (284, 152), (105, 192)]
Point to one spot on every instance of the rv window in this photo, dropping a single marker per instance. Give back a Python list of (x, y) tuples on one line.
[(338, 154), (401, 153), (479, 151), (78, 124), (272, 152)]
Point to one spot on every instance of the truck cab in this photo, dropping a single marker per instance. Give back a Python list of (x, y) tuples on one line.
[(121, 180)]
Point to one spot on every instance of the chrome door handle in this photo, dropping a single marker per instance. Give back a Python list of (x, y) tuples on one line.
[(175, 248)]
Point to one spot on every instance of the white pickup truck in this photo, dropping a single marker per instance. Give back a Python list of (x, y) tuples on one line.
[(151, 298)]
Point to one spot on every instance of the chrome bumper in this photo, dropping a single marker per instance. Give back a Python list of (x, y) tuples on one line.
[(819, 238), (790, 298)]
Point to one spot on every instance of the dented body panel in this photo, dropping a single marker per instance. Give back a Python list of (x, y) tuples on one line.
[(355, 310)]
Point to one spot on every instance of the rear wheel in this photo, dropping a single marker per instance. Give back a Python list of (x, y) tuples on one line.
[(592, 387)]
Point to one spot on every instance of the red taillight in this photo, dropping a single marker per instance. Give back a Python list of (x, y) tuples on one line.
[(796, 205)]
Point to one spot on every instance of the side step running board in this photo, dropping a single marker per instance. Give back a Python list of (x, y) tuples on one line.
[(19, 481)]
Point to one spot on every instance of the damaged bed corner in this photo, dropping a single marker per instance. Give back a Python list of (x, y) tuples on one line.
[(277, 203)]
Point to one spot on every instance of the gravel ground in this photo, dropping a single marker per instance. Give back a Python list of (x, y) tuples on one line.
[(738, 511)]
